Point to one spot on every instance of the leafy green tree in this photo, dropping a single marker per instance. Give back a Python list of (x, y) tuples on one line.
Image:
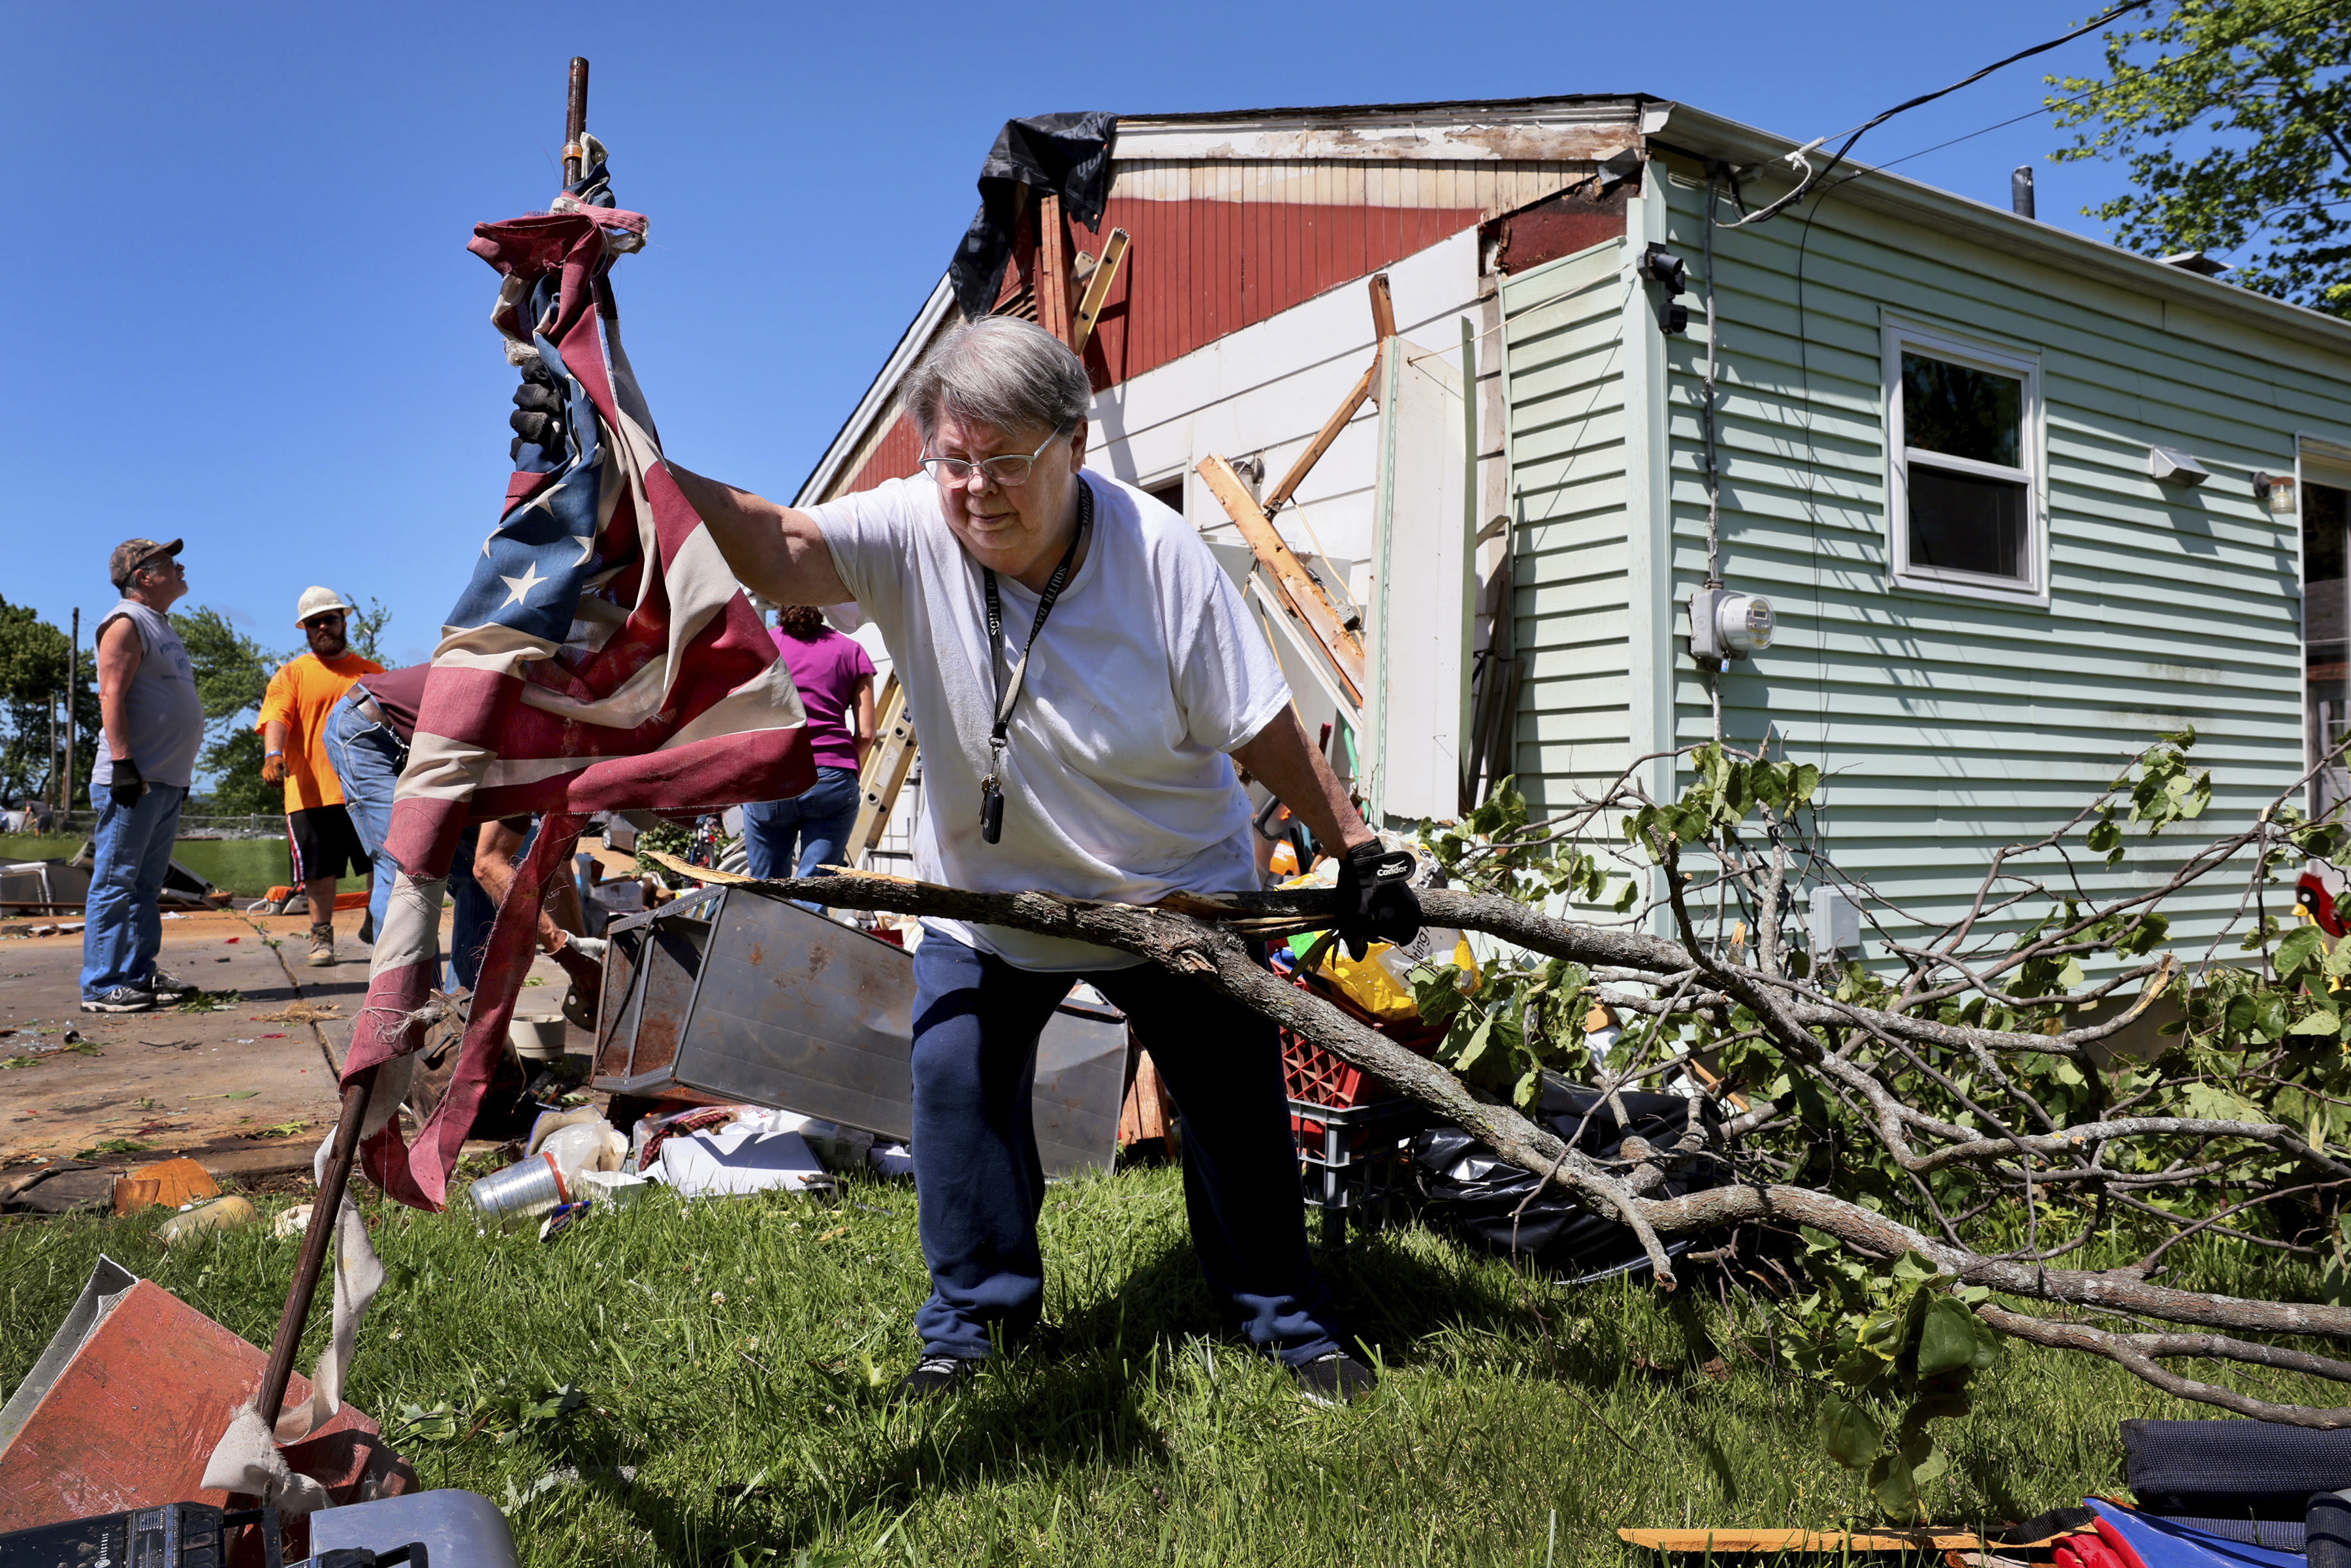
[(232, 674), (33, 659), (365, 628), (2234, 119)]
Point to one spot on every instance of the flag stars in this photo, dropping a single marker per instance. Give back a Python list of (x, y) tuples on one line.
[(518, 588), (587, 543)]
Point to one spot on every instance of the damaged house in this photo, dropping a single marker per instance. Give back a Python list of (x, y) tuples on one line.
[(2016, 500)]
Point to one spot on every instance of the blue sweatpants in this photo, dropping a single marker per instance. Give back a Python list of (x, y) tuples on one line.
[(979, 1188)]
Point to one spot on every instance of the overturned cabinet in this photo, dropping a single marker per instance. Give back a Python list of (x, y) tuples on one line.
[(740, 996)]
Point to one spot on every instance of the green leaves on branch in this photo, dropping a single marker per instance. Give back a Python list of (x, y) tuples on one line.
[(2228, 115), (1495, 849), (2162, 792), (1728, 789), (1513, 1025), (1891, 1335)]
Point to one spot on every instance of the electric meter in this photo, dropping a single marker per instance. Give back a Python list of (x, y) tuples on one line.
[(1727, 625)]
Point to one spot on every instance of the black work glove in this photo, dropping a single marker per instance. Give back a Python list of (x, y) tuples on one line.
[(537, 418), (1374, 899), (127, 786)]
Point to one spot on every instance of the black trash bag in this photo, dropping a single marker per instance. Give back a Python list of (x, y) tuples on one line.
[(1067, 155), (1466, 1188)]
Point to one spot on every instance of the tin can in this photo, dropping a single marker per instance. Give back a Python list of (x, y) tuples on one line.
[(523, 1191)]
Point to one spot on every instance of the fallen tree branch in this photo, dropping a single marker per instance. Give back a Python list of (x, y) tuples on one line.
[(2140, 1354), (1189, 947)]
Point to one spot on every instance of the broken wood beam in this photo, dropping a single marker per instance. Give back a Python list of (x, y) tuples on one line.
[(1383, 328), (1300, 595), (1098, 286), (1052, 267)]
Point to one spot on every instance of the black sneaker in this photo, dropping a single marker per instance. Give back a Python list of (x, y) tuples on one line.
[(1337, 1378), (121, 1000), (169, 988), (934, 1376)]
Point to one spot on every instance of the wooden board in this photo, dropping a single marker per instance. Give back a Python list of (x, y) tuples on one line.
[(1090, 308), (1383, 328), (1300, 594), (1052, 267), (1766, 1540)]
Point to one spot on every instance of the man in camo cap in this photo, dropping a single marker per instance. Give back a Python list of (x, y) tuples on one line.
[(152, 724)]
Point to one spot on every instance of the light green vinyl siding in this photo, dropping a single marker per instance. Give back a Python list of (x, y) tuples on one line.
[(1565, 392), (1948, 725)]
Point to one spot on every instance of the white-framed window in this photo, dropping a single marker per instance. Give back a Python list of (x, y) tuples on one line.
[(1967, 502)]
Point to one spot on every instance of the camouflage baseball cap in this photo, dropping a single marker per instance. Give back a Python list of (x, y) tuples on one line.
[(131, 554)]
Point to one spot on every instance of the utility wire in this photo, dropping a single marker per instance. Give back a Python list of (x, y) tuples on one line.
[(1811, 177)]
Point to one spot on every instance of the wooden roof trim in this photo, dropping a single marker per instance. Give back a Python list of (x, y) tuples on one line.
[(1541, 130), (879, 404)]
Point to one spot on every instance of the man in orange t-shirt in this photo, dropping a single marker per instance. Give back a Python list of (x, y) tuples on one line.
[(293, 728)]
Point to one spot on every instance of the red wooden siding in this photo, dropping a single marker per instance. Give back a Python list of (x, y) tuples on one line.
[(1196, 270), (1199, 269), (893, 457)]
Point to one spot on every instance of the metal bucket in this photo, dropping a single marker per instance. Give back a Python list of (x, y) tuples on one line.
[(521, 1192)]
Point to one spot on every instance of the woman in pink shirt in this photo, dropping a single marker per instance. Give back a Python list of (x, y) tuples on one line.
[(835, 679)]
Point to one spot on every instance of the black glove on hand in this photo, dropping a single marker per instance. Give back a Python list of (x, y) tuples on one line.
[(537, 418), (127, 786), (1374, 899)]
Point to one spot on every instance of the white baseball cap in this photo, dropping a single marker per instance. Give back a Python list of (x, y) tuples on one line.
[(318, 602)]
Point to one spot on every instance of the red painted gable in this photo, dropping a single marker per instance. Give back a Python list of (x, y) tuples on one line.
[(1196, 270)]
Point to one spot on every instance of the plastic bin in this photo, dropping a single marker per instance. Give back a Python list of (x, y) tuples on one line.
[(1354, 1164)]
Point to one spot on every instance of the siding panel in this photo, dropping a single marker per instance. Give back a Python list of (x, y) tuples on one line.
[(1949, 727), (1572, 568)]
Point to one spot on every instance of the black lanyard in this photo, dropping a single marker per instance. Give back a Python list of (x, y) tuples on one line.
[(1007, 691)]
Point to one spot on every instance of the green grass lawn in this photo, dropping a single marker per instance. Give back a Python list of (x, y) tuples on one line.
[(734, 1357), (248, 867)]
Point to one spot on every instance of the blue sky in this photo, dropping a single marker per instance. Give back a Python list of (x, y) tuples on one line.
[(239, 308)]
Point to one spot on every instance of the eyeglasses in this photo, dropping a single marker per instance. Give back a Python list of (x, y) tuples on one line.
[(333, 618), (1006, 471)]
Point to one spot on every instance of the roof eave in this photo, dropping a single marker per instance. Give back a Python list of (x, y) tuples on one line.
[(1710, 135), (876, 401)]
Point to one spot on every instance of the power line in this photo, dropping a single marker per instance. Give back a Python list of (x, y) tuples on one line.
[(2049, 106), (1811, 178)]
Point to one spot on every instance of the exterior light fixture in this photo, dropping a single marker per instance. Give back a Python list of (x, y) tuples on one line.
[(2277, 491), (1670, 273)]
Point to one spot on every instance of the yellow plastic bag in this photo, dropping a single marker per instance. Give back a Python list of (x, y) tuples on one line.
[(1376, 987)]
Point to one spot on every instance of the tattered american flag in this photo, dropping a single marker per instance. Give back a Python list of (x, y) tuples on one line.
[(602, 658)]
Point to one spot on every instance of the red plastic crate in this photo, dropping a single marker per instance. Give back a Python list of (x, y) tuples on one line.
[(1312, 1074)]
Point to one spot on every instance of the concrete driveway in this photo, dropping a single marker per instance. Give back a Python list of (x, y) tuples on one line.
[(246, 1086)]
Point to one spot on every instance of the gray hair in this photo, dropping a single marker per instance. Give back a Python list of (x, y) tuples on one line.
[(1001, 372)]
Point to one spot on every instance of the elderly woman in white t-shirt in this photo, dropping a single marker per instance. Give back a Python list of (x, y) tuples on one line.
[(1079, 670)]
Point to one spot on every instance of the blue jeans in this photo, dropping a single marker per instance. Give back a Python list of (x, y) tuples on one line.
[(820, 818), (979, 1186), (122, 930), (368, 756)]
